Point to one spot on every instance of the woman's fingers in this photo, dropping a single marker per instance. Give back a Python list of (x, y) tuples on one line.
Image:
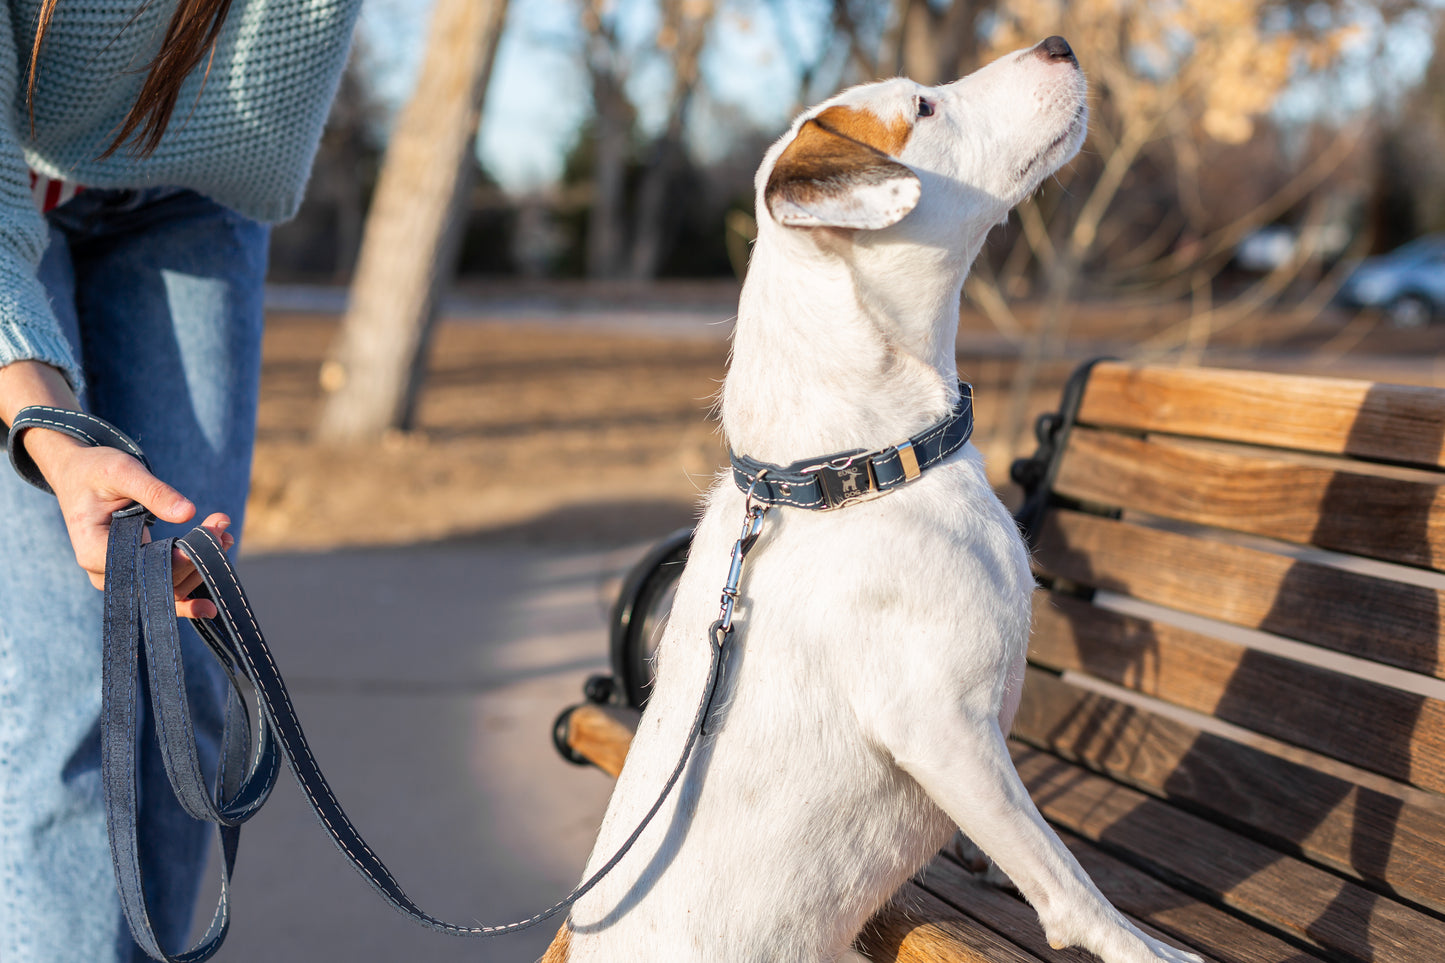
[(185, 584), (195, 609), (91, 483), (187, 579)]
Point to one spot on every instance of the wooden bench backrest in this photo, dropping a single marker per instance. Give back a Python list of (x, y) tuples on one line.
[(1264, 551)]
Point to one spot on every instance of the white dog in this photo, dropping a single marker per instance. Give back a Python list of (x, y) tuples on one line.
[(879, 647)]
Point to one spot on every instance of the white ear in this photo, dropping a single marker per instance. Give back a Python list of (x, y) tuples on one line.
[(827, 179)]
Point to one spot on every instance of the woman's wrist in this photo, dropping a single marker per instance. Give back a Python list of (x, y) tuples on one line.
[(26, 383)]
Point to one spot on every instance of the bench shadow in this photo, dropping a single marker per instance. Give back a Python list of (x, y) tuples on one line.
[(1327, 805)]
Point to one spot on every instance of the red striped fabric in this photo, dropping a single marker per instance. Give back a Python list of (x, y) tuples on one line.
[(49, 192)]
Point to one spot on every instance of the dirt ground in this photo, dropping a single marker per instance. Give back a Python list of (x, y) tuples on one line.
[(590, 420)]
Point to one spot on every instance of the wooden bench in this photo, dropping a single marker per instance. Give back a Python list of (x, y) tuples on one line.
[(1233, 713)]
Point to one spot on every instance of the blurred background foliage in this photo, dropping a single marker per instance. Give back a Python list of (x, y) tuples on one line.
[(1243, 156), (1211, 119)]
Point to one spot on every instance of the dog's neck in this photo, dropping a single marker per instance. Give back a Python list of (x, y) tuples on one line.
[(840, 346)]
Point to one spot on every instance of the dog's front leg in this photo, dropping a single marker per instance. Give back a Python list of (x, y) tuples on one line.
[(962, 762)]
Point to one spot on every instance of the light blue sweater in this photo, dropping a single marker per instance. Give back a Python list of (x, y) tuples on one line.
[(247, 142)]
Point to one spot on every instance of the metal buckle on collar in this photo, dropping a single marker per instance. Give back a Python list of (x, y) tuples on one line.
[(842, 480), (908, 459)]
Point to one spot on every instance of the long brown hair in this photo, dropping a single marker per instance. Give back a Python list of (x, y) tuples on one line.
[(190, 36)]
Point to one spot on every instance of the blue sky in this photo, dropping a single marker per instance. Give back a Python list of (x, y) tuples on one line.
[(539, 92)]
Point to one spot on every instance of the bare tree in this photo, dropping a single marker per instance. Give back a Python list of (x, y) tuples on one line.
[(929, 42), (412, 234), (683, 33), (1413, 146), (1176, 79), (938, 44), (346, 160), (613, 119), (628, 239)]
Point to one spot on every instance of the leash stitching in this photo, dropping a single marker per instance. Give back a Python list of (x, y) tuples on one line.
[(273, 698), (401, 899), (130, 445), (291, 714)]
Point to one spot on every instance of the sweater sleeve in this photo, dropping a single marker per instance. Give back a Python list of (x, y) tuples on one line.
[(28, 328)]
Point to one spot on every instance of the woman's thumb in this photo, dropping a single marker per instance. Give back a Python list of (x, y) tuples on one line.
[(163, 501)]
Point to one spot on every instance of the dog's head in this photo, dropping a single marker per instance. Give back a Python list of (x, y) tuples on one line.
[(969, 150)]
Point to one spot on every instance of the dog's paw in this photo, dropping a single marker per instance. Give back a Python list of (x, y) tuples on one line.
[(976, 861), (1112, 938), (1130, 945)]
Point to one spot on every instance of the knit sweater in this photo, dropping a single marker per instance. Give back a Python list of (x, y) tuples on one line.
[(245, 137)]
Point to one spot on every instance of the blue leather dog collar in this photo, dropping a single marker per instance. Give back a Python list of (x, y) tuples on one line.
[(833, 481)]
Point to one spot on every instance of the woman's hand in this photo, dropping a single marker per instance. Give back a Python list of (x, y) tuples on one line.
[(91, 483)]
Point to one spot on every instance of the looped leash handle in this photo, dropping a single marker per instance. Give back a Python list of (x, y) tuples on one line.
[(77, 424), (137, 588)]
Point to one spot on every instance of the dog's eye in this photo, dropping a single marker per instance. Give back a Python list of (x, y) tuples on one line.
[(925, 108)]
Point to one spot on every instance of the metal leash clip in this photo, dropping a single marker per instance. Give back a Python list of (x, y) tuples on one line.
[(722, 629), (753, 513)]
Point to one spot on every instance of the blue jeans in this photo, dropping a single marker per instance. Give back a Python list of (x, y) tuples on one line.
[(160, 294)]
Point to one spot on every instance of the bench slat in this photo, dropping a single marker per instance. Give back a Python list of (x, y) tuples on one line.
[(918, 927), (1280, 892), (1369, 835), (1393, 519), (994, 908), (1395, 423), (1371, 618), (1388, 731), (1152, 906), (602, 734), (1157, 907), (1218, 933)]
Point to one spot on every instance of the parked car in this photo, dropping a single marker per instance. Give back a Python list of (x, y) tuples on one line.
[(1408, 283), (1275, 245)]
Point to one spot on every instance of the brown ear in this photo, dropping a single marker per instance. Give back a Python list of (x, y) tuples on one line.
[(827, 179)]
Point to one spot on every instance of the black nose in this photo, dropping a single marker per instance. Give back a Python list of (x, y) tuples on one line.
[(1056, 48)]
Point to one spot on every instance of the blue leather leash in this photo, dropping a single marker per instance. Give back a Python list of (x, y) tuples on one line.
[(832, 481), (140, 640)]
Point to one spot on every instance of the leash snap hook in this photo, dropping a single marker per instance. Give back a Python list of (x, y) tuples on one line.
[(753, 512)]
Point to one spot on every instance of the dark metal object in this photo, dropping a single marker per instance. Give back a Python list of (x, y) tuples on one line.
[(638, 616), (1036, 474)]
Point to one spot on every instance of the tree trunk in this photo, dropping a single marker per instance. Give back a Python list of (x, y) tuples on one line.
[(938, 45), (689, 22), (612, 145), (410, 245)]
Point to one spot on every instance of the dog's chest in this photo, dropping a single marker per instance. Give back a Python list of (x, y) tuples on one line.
[(837, 612)]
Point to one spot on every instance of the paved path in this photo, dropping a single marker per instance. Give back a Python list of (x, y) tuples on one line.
[(427, 679)]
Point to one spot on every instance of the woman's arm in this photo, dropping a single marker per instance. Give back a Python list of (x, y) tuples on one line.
[(91, 483)]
